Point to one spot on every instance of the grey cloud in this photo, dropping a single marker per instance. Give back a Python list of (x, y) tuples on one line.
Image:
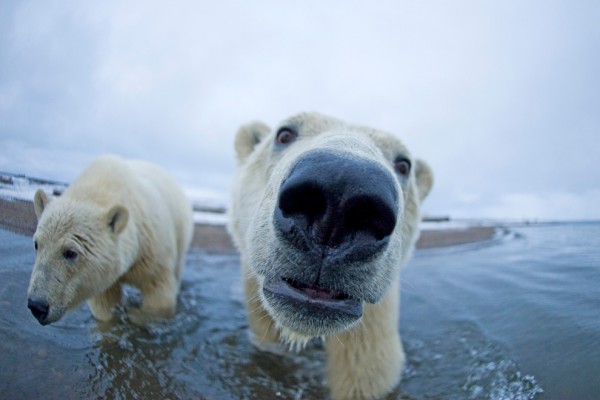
[(501, 98)]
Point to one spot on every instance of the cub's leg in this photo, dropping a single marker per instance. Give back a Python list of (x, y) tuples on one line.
[(102, 305), (159, 295)]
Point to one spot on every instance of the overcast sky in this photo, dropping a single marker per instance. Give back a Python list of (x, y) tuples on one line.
[(502, 98)]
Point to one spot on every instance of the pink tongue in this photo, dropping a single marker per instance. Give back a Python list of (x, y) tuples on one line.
[(319, 293)]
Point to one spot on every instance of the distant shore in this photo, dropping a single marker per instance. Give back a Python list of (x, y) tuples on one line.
[(18, 216)]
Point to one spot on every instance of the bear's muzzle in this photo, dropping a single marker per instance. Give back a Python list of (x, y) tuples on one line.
[(337, 206), (40, 309)]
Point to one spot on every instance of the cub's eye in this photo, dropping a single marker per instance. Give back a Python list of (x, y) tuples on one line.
[(35, 245), (286, 136), (69, 254), (402, 166)]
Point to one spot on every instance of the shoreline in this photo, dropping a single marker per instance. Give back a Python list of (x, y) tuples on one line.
[(19, 216)]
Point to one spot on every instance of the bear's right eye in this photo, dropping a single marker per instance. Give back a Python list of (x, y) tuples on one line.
[(70, 254), (402, 166), (286, 136)]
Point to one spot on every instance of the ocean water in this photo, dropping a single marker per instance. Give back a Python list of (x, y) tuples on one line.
[(517, 317), (521, 312)]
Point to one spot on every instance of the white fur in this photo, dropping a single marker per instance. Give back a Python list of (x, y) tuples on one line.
[(364, 359), (129, 222)]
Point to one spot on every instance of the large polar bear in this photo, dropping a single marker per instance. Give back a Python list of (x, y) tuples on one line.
[(324, 214), (120, 222)]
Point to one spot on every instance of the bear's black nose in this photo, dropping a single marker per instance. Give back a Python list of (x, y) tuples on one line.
[(336, 201), (39, 308)]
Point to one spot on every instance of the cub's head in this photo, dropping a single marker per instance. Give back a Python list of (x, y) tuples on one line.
[(76, 255), (324, 214)]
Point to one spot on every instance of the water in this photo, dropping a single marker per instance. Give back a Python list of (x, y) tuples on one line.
[(526, 309), (515, 318)]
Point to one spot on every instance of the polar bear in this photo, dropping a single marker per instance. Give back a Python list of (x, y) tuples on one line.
[(324, 214), (120, 222)]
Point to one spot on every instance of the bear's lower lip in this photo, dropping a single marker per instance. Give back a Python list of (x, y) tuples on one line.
[(315, 292), (313, 296)]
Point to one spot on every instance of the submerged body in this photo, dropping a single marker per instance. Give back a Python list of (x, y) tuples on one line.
[(120, 222)]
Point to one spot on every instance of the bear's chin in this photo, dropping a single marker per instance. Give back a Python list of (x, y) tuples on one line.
[(303, 312)]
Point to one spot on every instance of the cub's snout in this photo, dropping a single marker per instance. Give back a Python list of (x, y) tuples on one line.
[(40, 309), (337, 207)]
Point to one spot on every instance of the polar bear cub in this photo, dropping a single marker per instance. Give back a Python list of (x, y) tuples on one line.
[(120, 222), (324, 214)]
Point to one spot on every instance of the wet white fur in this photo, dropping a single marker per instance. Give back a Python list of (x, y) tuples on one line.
[(365, 360), (130, 223)]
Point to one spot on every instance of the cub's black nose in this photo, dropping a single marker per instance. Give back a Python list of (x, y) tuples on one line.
[(337, 201), (39, 308)]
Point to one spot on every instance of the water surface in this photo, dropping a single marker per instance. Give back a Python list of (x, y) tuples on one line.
[(515, 318)]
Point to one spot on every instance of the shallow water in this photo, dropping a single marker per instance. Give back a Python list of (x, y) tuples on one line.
[(516, 318)]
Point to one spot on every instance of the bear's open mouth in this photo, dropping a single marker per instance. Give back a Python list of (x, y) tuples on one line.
[(316, 292), (313, 296)]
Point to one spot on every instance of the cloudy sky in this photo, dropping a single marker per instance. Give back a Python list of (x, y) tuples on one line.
[(501, 97)]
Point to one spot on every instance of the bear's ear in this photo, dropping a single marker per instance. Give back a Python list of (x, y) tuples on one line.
[(424, 178), (40, 201), (117, 218), (247, 137)]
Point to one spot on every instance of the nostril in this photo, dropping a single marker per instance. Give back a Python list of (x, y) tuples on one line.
[(303, 200), (39, 308), (370, 214)]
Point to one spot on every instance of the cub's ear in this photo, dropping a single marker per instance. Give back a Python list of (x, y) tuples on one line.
[(40, 202), (424, 178), (117, 218), (247, 137)]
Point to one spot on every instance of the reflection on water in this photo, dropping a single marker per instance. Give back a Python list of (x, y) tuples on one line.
[(468, 319)]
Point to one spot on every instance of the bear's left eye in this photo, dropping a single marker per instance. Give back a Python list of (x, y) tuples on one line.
[(69, 254), (402, 166), (35, 245), (286, 136)]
